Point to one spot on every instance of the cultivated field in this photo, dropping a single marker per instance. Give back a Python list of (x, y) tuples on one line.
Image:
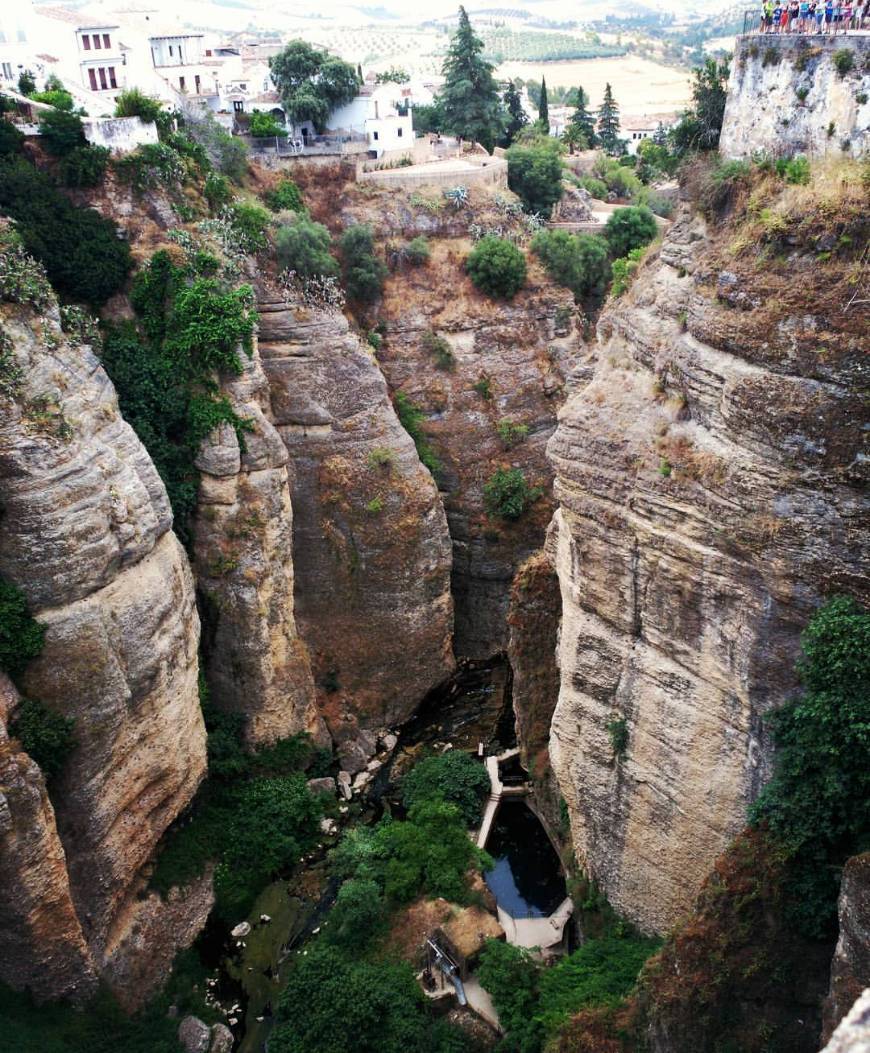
[(639, 86)]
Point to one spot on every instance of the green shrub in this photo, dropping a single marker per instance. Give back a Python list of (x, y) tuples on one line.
[(596, 187), (303, 247), (507, 494), (61, 132), (483, 387), (497, 267), (796, 170), (417, 251), (535, 176), (285, 196), (357, 916), (226, 152), (21, 636), (577, 261), (381, 457), (84, 166), (440, 350), (511, 976), (453, 776), (11, 139), (26, 83), (511, 434), (265, 126), (363, 272), (249, 222), (135, 103), (411, 418), (217, 191), (48, 737), (815, 805), (375, 340), (22, 278), (629, 228), (57, 97), (844, 61), (622, 271), (617, 732), (151, 165)]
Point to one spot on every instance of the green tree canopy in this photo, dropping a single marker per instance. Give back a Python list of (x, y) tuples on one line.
[(544, 108), (608, 122), (535, 175), (701, 126), (469, 99), (21, 635), (629, 228), (303, 247), (362, 270), (517, 117), (453, 776), (497, 267), (312, 83), (577, 261), (583, 120)]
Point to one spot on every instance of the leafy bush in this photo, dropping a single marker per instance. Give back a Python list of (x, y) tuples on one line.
[(596, 187), (249, 222), (227, 153), (56, 97), (135, 103), (453, 776), (357, 916), (22, 278), (417, 251), (535, 176), (411, 418), (286, 195), (265, 126), (844, 60), (61, 132), (47, 736), (511, 434), (577, 261), (623, 269), (303, 247), (84, 166), (26, 83), (507, 494), (21, 636), (617, 732), (511, 976), (150, 165), (363, 272), (815, 804), (441, 351), (11, 139), (794, 170), (497, 267), (217, 191), (629, 228)]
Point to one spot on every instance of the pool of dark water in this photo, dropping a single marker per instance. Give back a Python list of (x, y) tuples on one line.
[(526, 880)]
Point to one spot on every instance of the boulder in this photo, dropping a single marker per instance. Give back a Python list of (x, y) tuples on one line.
[(194, 1035)]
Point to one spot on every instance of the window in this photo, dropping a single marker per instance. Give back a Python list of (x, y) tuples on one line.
[(375, 136), (7, 70), (103, 82), (106, 43), (208, 52), (399, 132), (171, 50), (238, 106), (196, 82), (92, 76), (112, 82), (181, 86), (86, 42)]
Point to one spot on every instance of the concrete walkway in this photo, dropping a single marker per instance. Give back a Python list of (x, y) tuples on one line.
[(481, 1003), (537, 932)]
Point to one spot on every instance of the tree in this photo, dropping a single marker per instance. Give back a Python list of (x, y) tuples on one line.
[(629, 228), (517, 117), (544, 108), (507, 494), (363, 272), (512, 977), (701, 126), (393, 75), (312, 83), (577, 261), (303, 247), (135, 103), (469, 99), (535, 175), (574, 139), (21, 636), (453, 776), (26, 82), (429, 118), (357, 915), (583, 120), (497, 267), (608, 122), (660, 136), (359, 73), (61, 132), (266, 126), (48, 737)]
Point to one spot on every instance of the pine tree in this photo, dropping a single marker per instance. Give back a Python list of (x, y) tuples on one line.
[(544, 108), (517, 117), (470, 100), (608, 122), (660, 136), (359, 72), (583, 120)]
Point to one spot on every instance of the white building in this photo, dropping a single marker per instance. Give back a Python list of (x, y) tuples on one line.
[(101, 59), (635, 129), (374, 113), (17, 40)]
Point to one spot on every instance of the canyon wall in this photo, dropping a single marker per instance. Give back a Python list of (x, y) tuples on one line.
[(370, 541), (86, 534), (709, 481), (787, 96)]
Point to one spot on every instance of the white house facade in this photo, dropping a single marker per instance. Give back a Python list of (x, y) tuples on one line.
[(374, 113)]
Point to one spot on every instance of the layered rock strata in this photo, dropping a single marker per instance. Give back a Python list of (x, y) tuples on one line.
[(370, 542), (86, 535), (708, 476), (850, 968)]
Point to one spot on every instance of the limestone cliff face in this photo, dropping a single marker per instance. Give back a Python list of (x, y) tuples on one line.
[(86, 535), (255, 661), (708, 476), (519, 352), (765, 113), (850, 968), (370, 542)]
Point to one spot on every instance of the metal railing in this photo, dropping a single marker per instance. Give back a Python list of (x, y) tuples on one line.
[(291, 146), (752, 23)]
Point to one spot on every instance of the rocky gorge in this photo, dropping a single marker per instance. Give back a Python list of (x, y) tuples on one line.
[(698, 493)]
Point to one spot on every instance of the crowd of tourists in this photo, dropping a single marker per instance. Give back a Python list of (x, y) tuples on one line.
[(814, 16)]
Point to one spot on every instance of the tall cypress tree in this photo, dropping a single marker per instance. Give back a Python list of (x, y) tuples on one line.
[(359, 72), (583, 120), (608, 122), (544, 108), (517, 117), (469, 100)]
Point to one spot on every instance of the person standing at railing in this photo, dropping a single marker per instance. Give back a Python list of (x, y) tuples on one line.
[(767, 17), (847, 15)]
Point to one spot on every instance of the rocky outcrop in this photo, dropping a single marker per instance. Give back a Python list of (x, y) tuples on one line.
[(850, 968), (798, 95), (86, 535), (42, 947), (507, 363), (370, 543), (853, 1033), (255, 661), (708, 476)]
